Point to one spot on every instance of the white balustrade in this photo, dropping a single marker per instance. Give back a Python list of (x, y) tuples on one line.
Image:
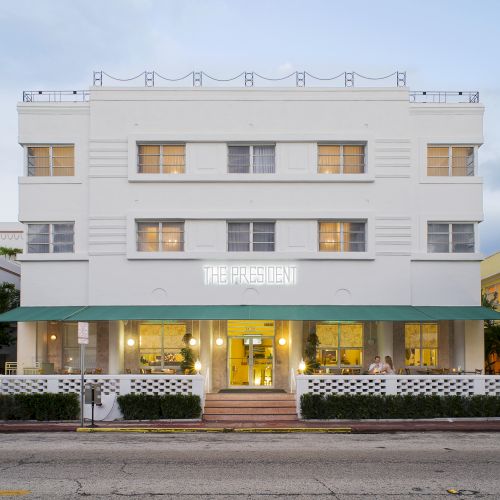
[(111, 387)]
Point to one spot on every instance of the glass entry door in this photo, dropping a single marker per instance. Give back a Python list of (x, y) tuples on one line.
[(251, 361)]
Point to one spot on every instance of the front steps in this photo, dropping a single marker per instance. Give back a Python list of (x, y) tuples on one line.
[(250, 406)]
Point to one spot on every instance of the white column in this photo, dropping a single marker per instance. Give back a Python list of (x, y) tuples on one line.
[(474, 345), (116, 346), (458, 343), (385, 344), (26, 345), (206, 350), (295, 347)]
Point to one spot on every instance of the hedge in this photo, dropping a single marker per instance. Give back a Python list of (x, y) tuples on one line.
[(168, 406), (361, 406), (46, 406)]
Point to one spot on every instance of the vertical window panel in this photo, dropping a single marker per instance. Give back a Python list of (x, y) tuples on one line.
[(239, 159), (263, 159), (238, 236), (172, 236)]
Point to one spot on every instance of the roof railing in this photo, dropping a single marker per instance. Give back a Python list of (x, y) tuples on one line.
[(421, 96), (442, 97), (56, 95)]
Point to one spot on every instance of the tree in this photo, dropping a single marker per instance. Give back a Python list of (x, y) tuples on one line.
[(491, 335), (187, 363), (10, 252), (10, 298)]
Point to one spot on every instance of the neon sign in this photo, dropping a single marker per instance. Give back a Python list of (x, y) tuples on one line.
[(268, 275)]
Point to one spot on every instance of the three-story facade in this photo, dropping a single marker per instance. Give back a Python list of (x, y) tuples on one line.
[(241, 222)]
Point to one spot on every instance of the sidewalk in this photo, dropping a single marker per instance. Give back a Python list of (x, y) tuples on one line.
[(354, 427)]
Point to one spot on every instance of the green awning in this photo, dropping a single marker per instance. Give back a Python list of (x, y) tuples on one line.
[(40, 313), (319, 313)]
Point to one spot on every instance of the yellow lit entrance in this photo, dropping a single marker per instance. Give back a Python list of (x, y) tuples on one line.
[(251, 353)]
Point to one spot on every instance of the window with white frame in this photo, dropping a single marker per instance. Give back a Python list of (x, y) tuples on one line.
[(161, 158), (51, 237), (47, 161), (160, 236), (257, 159), (451, 161), (450, 237), (250, 236), (421, 344), (342, 236), (341, 158)]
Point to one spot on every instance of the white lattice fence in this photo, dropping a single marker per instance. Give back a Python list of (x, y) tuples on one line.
[(111, 387), (442, 385)]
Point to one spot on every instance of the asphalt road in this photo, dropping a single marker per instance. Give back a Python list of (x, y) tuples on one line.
[(189, 466)]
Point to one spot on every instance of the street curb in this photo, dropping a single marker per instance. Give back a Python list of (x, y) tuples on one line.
[(243, 430)]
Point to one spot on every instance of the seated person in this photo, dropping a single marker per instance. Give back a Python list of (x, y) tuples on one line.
[(376, 367), (388, 366)]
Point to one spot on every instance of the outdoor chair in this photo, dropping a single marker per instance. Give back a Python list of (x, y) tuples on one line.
[(11, 368)]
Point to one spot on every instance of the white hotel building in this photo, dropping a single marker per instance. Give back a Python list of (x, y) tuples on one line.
[(250, 218)]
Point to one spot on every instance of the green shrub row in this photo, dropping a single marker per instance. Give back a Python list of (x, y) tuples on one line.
[(361, 406), (169, 406), (46, 406)]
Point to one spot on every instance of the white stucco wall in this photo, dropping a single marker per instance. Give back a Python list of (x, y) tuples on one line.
[(394, 195)]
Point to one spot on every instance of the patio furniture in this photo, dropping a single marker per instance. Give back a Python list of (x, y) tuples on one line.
[(11, 368), (32, 370)]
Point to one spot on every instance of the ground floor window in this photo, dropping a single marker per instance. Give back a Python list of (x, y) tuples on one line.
[(160, 345), (71, 348), (421, 344), (340, 344)]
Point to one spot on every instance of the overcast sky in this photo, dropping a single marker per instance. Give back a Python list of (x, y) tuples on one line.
[(443, 45)]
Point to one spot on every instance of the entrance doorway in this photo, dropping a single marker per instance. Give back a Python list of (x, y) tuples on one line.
[(251, 361)]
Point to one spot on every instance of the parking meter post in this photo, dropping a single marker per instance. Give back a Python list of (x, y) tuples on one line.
[(82, 383)]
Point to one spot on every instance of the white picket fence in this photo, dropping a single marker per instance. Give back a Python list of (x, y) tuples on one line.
[(111, 387), (442, 385)]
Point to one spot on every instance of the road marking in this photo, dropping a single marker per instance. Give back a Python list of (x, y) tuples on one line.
[(264, 430), (14, 493)]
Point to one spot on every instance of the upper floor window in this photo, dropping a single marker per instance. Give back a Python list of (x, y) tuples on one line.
[(342, 236), (445, 237), (160, 236), (250, 236), (251, 159), (51, 161), (455, 161), (341, 158), (51, 238), (421, 344), (161, 158)]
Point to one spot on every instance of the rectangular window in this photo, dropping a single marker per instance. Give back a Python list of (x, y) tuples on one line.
[(251, 159), (342, 236), (341, 158), (160, 345), (421, 344), (46, 161), (71, 348), (250, 236), (51, 238), (445, 237), (455, 161), (160, 236), (340, 344), (161, 158)]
